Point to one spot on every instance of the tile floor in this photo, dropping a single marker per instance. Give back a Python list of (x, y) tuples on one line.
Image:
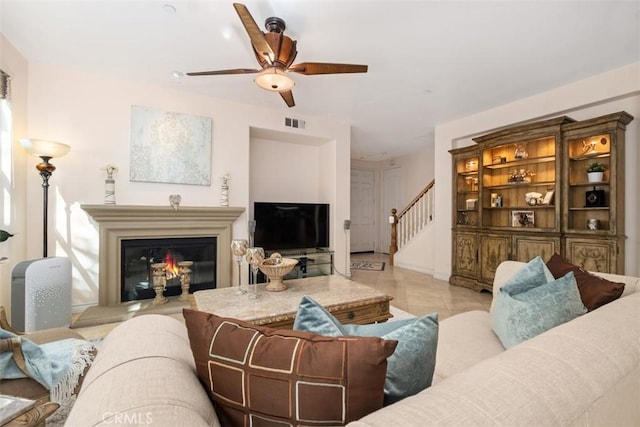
[(419, 293), (414, 292)]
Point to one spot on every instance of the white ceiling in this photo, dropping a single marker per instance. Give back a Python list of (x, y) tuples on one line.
[(429, 61)]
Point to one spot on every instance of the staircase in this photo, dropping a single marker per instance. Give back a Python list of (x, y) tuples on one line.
[(411, 220)]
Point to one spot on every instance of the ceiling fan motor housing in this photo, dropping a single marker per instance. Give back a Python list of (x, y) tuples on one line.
[(284, 49)]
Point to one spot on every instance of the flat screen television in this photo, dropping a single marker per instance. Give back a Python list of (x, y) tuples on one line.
[(291, 225)]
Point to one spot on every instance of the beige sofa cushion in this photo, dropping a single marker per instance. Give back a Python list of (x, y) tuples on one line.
[(464, 340), (144, 375)]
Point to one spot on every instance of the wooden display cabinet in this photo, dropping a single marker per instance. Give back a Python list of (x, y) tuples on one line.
[(534, 198)]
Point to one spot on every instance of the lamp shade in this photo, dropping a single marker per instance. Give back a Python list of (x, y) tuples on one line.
[(44, 148), (274, 79)]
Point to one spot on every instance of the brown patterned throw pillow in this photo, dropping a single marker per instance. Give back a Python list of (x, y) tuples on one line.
[(594, 291), (259, 376)]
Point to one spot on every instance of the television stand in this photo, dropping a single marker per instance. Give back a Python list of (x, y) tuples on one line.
[(312, 262)]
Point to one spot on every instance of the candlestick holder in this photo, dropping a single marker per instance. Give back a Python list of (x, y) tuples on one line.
[(159, 282), (254, 257), (185, 279), (239, 249)]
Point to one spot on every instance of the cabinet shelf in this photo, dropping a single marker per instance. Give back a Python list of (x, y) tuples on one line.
[(589, 184), (520, 208), (521, 162), (311, 262), (597, 208), (521, 229), (524, 184), (591, 156)]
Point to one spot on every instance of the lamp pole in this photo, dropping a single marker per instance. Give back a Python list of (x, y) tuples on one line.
[(46, 169), (46, 150)]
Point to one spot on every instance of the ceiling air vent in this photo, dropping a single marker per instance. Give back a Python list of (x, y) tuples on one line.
[(293, 123)]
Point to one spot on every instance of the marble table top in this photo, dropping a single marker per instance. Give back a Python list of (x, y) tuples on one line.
[(332, 291)]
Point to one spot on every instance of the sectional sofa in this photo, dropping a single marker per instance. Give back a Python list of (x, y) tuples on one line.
[(583, 372)]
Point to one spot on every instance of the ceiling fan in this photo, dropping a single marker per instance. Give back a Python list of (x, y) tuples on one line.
[(275, 52)]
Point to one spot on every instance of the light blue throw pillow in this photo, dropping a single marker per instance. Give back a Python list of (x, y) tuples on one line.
[(409, 369), (534, 273), (523, 310)]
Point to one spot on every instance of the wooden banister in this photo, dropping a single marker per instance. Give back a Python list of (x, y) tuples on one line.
[(418, 197), (393, 247), (418, 213)]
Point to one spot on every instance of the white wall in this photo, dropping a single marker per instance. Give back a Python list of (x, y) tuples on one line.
[(417, 171), (92, 113), (284, 172), (613, 91)]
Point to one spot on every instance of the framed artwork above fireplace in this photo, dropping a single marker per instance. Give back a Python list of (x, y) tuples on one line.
[(170, 147)]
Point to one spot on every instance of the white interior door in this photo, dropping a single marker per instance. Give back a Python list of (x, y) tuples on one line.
[(391, 198), (362, 210)]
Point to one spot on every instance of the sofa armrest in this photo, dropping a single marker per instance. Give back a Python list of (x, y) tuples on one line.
[(144, 374)]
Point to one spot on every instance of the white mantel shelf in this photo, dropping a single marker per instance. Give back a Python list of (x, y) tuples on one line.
[(122, 222), (121, 212)]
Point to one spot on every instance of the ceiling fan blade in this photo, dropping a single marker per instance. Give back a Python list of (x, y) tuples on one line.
[(310, 68), (287, 95), (258, 40), (219, 72)]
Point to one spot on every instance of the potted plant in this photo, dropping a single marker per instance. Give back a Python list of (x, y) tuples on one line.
[(4, 235), (595, 172)]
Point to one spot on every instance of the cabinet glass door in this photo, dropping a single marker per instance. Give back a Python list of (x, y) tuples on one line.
[(589, 186), (518, 185)]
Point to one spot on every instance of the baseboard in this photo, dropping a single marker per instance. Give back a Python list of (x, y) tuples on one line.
[(413, 268)]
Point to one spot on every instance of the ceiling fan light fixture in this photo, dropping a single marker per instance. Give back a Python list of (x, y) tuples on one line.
[(274, 79)]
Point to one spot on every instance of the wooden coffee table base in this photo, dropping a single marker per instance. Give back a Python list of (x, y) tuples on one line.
[(349, 301)]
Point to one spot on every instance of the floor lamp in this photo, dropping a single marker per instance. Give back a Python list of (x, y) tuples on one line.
[(46, 150)]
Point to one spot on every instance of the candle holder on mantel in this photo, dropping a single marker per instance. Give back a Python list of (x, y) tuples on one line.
[(159, 282), (185, 279)]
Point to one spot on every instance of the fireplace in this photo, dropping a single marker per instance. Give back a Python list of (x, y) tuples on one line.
[(120, 223), (139, 255)]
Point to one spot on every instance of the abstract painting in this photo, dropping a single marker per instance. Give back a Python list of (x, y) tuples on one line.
[(169, 147)]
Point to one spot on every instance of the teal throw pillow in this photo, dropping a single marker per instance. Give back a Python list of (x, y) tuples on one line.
[(409, 369), (520, 315), (534, 273)]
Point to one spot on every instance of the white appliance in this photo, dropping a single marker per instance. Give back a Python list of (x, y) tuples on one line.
[(41, 294)]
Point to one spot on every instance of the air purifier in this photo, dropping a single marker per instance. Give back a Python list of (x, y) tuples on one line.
[(41, 294)]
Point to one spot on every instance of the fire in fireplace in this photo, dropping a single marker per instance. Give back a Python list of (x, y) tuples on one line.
[(138, 255)]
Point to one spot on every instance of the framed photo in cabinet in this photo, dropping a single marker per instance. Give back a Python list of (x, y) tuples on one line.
[(522, 219)]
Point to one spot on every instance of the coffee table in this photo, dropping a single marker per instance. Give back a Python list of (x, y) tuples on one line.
[(348, 301)]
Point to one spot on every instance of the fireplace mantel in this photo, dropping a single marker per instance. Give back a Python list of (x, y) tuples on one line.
[(118, 222)]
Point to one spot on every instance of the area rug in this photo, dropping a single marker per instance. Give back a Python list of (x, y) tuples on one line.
[(367, 265)]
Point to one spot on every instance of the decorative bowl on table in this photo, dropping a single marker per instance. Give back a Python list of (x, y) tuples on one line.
[(275, 268)]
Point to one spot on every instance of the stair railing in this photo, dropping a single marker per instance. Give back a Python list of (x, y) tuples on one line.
[(411, 220)]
